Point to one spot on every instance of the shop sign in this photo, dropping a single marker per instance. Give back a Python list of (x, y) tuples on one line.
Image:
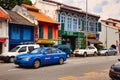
[(2, 39), (92, 35), (46, 41)]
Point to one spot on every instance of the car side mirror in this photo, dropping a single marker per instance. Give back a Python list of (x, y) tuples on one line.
[(118, 59)]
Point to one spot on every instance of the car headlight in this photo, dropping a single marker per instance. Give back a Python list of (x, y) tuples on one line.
[(27, 59)]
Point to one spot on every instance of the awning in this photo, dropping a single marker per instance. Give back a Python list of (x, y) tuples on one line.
[(94, 41), (2, 39)]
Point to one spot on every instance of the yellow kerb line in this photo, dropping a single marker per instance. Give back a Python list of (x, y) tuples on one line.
[(91, 73), (67, 78), (106, 70)]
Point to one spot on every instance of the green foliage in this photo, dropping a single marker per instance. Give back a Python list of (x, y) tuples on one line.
[(9, 4), (83, 43), (99, 47)]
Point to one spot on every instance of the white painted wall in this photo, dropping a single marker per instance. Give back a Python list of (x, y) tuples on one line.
[(3, 29), (110, 36), (47, 8), (4, 34)]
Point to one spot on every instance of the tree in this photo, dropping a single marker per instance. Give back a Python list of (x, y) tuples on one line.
[(9, 4)]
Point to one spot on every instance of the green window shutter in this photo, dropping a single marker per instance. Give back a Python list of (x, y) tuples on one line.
[(83, 23), (99, 26), (62, 26)]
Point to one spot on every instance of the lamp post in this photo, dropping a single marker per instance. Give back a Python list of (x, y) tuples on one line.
[(86, 23)]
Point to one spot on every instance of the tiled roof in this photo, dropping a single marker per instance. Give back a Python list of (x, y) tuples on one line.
[(109, 21), (76, 9), (39, 16), (30, 7), (17, 19), (3, 14), (43, 18), (68, 6), (114, 19)]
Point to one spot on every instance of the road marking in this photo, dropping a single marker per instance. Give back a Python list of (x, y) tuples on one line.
[(106, 70), (67, 78), (91, 73), (13, 69)]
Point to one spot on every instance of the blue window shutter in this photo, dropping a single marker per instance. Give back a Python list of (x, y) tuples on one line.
[(58, 17)]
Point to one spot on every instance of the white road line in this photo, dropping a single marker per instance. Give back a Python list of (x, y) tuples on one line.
[(13, 69)]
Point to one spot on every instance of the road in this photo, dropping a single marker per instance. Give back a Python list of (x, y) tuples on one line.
[(76, 67)]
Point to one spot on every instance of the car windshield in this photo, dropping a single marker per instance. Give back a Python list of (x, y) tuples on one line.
[(14, 49), (38, 50)]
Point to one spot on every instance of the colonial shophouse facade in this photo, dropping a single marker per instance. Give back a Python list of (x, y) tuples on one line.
[(46, 30), (73, 23), (109, 34)]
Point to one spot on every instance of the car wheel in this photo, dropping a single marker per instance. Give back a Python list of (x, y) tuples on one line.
[(85, 54), (61, 61), (115, 53), (95, 54), (68, 55), (36, 64), (106, 54), (11, 59)]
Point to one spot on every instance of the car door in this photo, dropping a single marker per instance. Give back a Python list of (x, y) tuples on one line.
[(89, 50), (49, 56), (56, 55)]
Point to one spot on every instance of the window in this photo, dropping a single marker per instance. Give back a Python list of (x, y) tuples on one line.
[(23, 49), (63, 19), (27, 33), (49, 32), (48, 51), (41, 31), (15, 32), (75, 23), (54, 50), (31, 48), (69, 22)]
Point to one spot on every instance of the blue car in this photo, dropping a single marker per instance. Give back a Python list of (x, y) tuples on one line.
[(40, 56)]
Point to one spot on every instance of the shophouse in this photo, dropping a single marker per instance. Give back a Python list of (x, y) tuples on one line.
[(20, 30), (4, 18), (109, 34), (47, 27), (72, 23)]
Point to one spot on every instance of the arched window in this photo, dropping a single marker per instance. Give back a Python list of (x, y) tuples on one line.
[(63, 18), (69, 22), (75, 23)]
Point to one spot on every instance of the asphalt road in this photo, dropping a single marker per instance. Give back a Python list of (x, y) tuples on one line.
[(72, 68)]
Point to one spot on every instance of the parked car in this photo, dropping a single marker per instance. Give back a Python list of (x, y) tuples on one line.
[(65, 48), (107, 51), (89, 50), (41, 56), (20, 49), (114, 72)]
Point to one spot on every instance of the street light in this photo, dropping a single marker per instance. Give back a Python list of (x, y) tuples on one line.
[(86, 22)]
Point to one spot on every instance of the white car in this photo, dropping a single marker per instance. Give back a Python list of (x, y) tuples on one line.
[(20, 49), (84, 51)]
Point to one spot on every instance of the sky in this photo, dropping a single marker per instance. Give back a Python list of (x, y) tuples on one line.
[(104, 8)]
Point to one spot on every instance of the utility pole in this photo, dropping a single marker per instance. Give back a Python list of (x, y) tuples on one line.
[(86, 23)]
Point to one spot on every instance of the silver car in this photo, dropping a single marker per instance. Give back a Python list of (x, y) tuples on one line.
[(107, 51)]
